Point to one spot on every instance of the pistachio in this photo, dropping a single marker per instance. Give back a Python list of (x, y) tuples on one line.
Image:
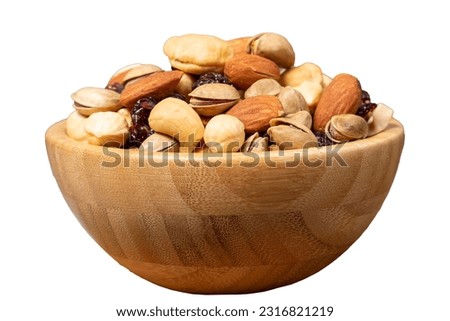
[(213, 99), (346, 127), (89, 100), (292, 100), (298, 119), (224, 133), (118, 76), (292, 137), (174, 117), (381, 116), (139, 70), (255, 143), (158, 142), (75, 126), (274, 47), (265, 86), (106, 129)]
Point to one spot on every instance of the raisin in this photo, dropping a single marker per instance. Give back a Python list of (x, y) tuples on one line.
[(365, 97), (178, 96), (139, 133), (322, 139), (365, 109), (211, 78), (117, 87), (141, 110)]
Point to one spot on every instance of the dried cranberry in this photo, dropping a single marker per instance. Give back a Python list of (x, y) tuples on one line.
[(117, 87), (365, 97), (211, 78)]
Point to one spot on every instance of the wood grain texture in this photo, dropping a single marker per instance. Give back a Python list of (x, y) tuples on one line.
[(231, 227)]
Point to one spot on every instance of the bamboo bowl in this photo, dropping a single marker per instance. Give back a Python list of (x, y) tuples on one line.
[(204, 223)]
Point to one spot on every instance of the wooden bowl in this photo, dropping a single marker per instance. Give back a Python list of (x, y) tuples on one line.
[(226, 224)]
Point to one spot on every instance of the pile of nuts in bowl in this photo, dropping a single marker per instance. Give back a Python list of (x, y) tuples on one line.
[(240, 95)]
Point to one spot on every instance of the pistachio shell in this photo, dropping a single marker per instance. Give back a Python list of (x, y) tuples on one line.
[(213, 99), (174, 117), (346, 127), (126, 114), (89, 100), (298, 119), (265, 86), (380, 119), (255, 143), (139, 70), (291, 137), (184, 87), (292, 100), (274, 47), (158, 142)]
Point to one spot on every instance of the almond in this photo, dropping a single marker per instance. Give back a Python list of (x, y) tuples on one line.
[(244, 69), (158, 85), (341, 96), (256, 112)]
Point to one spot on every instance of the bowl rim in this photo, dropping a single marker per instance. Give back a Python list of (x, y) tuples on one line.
[(56, 135)]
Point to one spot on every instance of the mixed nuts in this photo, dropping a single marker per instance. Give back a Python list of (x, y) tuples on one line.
[(238, 95)]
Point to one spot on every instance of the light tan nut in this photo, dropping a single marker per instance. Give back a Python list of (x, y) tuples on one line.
[(256, 112), (197, 54), (311, 91), (75, 126), (89, 100), (224, 134), (158, 85), (381, 116), (106, 129), (243, 70), (298, 119), (292, 100), (326, 80), (119, 75), (213, 99), (184, 87), (274, 47), (295, 76), (177, 119), (158, 142), (265, 86), (125, 113), (239, 45), (346, 127), (292, 137), (341, 96)]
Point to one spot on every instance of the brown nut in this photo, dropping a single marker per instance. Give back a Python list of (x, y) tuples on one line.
[(256, 112), (274, 47), (239, 45), (158, 85), (341, 96), (243, 70), (197, 54)]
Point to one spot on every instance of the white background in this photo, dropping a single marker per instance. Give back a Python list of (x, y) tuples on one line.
[(50, 269)]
